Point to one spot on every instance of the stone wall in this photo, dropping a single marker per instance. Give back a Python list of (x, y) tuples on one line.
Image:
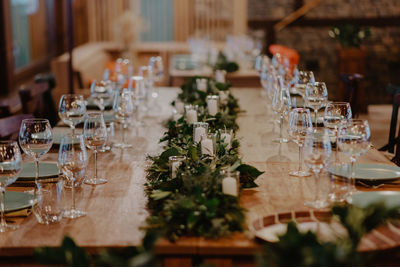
[(319, 52)]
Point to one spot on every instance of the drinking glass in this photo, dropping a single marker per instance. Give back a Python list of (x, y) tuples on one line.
[(73, 160), (317, 153), (10, 167), (139, 96), (123, 70), (316, 96), (123, 107), (95, 133), (299, 124), (148, 78), (72, 109), (354, 140), (302, 78), (336, 113), (281, 105), (158, 67), (35, 139), (101, 93)]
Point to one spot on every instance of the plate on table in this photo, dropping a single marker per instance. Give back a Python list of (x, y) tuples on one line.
[(368, 172), (46, 170), (363, 199), (269, 228), (17, 201), (59, 132)]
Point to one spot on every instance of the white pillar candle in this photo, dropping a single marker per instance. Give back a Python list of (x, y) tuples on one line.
[(198, 132), (212, 106), (223, 96), (179, 106), (207, 147), (174, 168), (177, 116), (220, 76), (201, 84), (226, 139), (191, 116), (229, 186)]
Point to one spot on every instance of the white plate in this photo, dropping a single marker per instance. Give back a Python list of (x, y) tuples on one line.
[(363, 199), (368, 172)]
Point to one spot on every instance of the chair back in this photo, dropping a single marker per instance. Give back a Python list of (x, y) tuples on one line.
[(286, 52), (9, 126), (351, 82), (36, 99)]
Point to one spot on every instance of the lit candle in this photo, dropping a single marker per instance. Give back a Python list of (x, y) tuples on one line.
[(174, 163), (220, 76), (207, 147), (229, 186), (201, 84), (199, 129), (212, 104)]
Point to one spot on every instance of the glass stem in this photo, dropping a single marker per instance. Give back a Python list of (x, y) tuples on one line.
[(280, 126), (73, 193), (337, 148), (315, 116), (95, 164), (300, 158), (123, 134), (73, 129), (316, 177), (36, 175), (352, 183), (2, 206)]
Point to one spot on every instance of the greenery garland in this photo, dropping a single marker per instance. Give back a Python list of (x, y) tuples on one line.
[(192, 203)]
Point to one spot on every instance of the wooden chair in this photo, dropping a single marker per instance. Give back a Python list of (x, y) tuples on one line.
[(352, 94), (395, 91), (9, 126), (286, 52), (36, 99)]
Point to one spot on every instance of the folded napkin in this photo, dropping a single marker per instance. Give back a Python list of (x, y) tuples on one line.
[(19, 213)]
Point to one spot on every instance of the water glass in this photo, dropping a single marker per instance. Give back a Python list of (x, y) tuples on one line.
[(281, 105), (299, 124), (123, 108), (10, 167), (302, 78), (317, 154), (48, 207), (316, 96)]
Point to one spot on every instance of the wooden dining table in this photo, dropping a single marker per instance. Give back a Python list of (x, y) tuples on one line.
[(116, 211)]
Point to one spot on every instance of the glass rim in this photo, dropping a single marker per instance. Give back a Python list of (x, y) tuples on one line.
[(35, 120), (5, 142), (70, 95)]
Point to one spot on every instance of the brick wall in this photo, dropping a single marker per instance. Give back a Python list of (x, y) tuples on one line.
[(317, 50)]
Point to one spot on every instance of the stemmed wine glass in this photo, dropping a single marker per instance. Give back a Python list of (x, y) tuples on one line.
[(72, 109), (302, 78), (317, 153), (281, 105), (101, 93), (158, 67), (10, 167), (316, 96), (336, 113), (95, 133), (354, 140), (123, 107), (299, 124), (35, 139), (73, 160)]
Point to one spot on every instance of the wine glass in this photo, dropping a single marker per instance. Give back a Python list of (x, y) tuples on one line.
[(123, 107), (139, 96), (299, 124), (335, 113), (317, 153), (73, 160), (158, 67), (101, 93), (354, 140), (72, 109), (281, 105), (123, 70), (10, 167), (95, 133), (316, 96), (35, 139), (302, 78)]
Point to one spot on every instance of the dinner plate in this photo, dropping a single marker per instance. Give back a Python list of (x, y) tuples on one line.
[(368, 172), (363, 199), (46, 170), (17, 200)]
